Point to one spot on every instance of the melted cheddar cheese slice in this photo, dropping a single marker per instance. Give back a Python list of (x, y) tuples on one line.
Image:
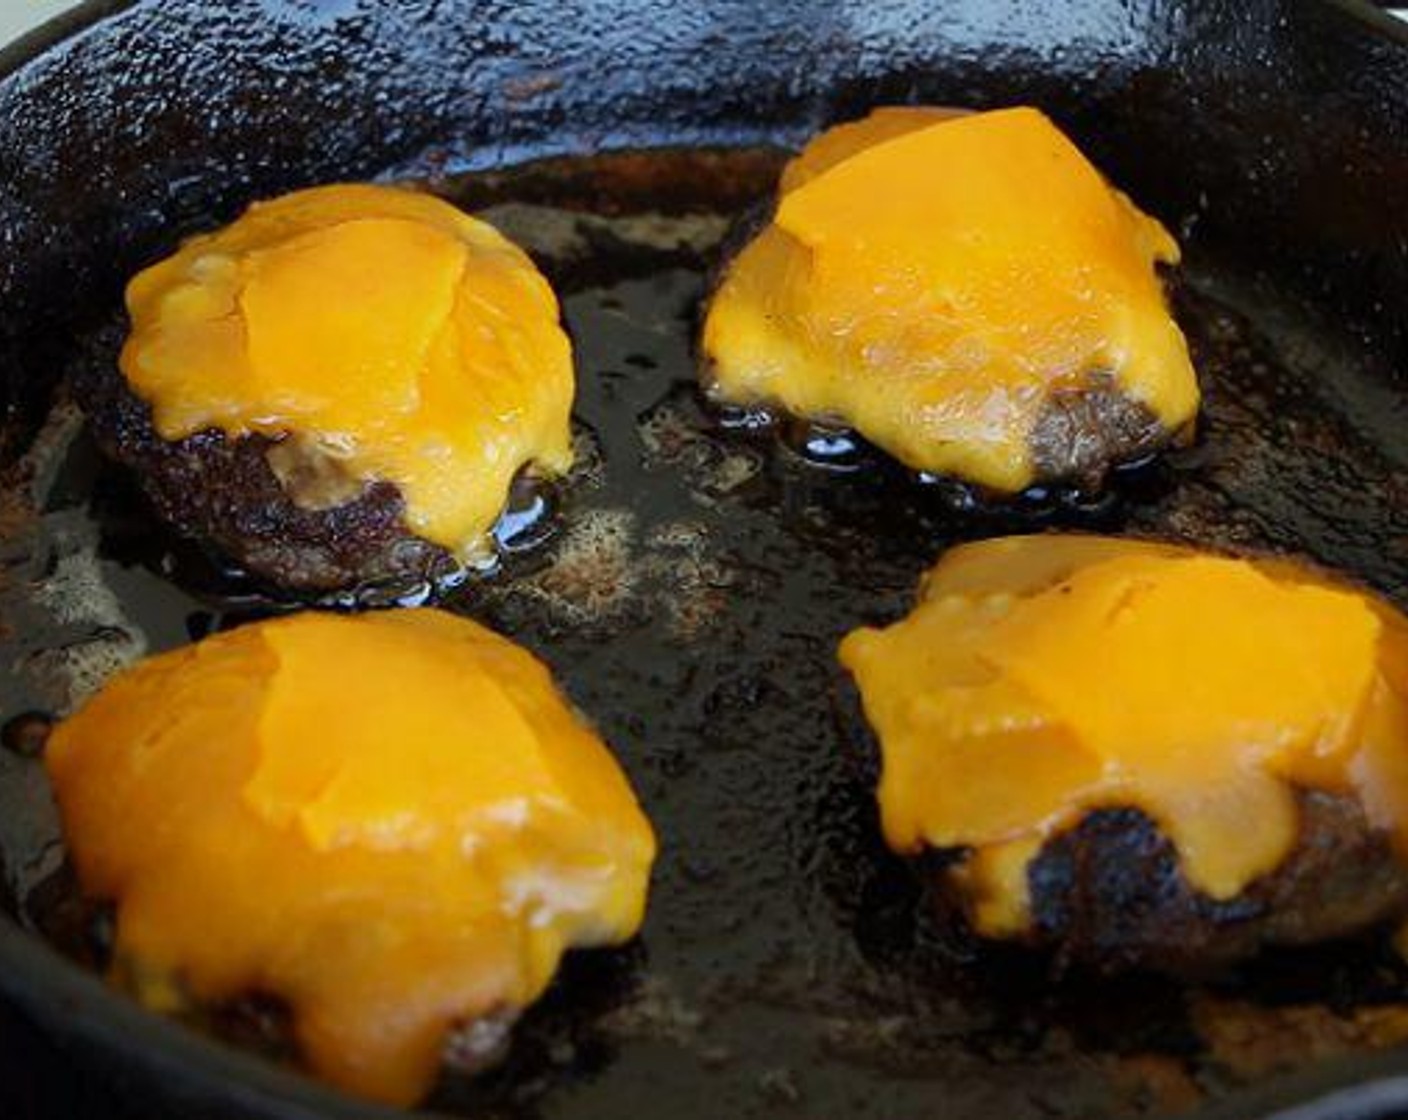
[(380, 329), (1040, 678), (936, 280), (393, 823)]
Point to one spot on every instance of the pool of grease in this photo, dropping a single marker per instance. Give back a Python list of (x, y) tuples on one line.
[(689, 593)]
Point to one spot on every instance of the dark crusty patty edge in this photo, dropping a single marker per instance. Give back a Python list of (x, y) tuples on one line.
[(1108, 894)]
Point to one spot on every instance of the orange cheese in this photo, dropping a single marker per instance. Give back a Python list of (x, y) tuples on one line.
[(407, 340), (932, 278), (1040, 678), (394, 823)]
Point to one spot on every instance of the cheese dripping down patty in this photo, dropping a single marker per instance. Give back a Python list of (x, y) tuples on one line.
[(1041, 678), (946, 284), (393, 823), (373, 328)]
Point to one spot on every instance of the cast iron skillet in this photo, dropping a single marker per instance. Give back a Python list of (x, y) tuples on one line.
[(787, 967)]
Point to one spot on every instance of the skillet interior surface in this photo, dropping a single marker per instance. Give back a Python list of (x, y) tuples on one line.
[(697, 578)]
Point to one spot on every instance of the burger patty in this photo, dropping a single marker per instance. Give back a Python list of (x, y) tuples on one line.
[(1081, 433), (226, 492), (1109, 893)]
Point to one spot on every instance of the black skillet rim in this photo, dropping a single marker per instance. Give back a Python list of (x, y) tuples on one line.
[(74, 1005)]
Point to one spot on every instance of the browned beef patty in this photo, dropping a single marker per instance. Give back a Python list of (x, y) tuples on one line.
[(225, 492), (1108, 894), (1083, 432)]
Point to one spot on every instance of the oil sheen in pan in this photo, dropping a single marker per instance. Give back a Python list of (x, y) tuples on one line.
[(691, 600)]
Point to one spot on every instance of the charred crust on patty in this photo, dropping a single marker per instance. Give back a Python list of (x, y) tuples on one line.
[(1108, 894)]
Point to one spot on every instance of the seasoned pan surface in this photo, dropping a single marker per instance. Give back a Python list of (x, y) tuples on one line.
[(694, 580), (698, 574)]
